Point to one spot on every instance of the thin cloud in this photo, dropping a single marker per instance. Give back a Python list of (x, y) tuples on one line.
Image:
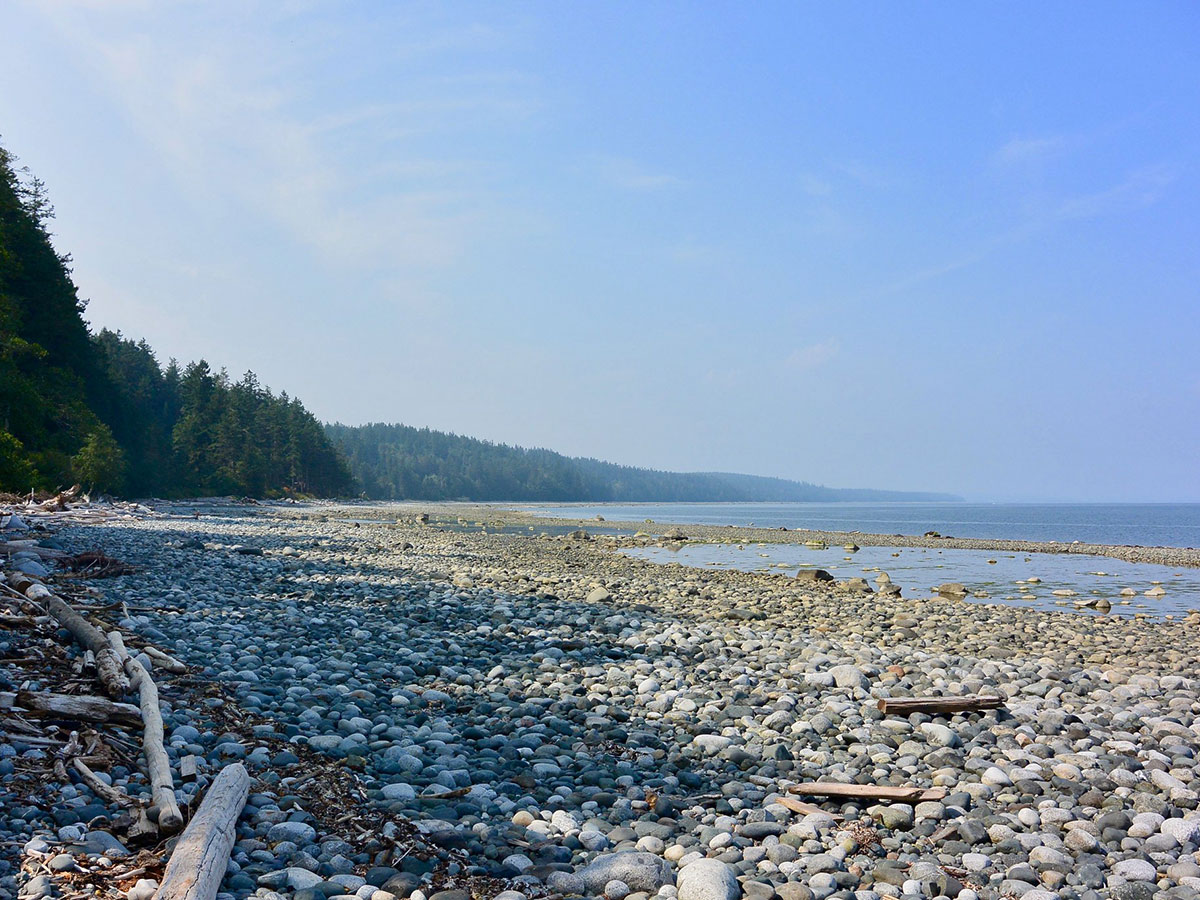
[(1141, 188), (214, 113), (813, 356), (1020, 151), (628, 174)]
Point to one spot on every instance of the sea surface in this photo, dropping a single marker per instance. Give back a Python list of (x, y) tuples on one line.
[(1006, 578), (1143, 524)]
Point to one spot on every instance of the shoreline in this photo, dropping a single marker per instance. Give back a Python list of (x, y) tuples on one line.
[(727, 534)]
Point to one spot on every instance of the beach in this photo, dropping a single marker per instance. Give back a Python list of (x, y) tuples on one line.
[(444, 701)]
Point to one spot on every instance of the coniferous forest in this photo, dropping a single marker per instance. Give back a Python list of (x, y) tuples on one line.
[(100, 410)]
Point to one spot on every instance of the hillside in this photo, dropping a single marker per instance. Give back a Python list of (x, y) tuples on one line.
[(397, 462)]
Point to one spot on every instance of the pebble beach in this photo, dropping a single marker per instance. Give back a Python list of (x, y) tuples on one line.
[(438, 703)]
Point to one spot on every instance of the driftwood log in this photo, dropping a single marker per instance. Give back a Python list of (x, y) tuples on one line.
[(800, 807), (100, 787), (59, 501), (164, 661), (158, 765), (938, 705), (198, 862), (71, 706), (108, 665), (868, 792), (30, 546)]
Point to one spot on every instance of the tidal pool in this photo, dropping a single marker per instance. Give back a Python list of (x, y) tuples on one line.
[(1002, 577)]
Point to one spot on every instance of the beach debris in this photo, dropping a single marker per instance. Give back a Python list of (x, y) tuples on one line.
[(938, 705), (885, 793)]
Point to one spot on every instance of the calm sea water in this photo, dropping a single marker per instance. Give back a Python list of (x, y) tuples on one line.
[(997, 577), (1145, 524)]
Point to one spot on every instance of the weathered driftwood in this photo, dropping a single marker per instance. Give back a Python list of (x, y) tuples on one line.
[(99, 787), (164, 661), (59, 500), (71, 706), (800, 807), (31, 547), (868, 792), (158, 765), (189, 767), (197, 864), (108, 665), (938, 705)]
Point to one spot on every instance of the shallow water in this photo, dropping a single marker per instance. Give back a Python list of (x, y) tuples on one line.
[(918, 570), (1144, 524)]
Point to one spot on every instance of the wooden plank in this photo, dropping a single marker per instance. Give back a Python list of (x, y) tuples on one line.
[(885, 793), (188, 768), (938, 705)]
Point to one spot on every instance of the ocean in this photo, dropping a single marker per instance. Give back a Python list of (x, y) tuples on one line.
[(1143, 524)]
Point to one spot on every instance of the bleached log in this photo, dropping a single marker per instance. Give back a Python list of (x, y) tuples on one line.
[(108, 665), (164, 660), (197, 865), (868, 792), (158, 765), (72, 706)]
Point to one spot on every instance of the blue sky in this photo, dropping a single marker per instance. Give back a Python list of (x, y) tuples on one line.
[(935, 246)]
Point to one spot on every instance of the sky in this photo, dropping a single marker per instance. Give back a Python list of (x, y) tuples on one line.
[(947, 247)]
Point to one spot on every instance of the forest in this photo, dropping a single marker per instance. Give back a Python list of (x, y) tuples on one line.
[(393, 462), (98, 409)]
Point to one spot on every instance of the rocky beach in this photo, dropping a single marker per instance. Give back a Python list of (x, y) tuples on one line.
[(449, 702)]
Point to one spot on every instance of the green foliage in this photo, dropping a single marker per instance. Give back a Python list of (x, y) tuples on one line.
[(100, 462), (15, 467), (101, 409)]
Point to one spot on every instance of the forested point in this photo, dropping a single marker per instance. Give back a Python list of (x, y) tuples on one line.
[(99, 409), (398, 462)]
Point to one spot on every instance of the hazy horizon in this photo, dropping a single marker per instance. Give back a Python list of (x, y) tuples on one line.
[(906, 248)]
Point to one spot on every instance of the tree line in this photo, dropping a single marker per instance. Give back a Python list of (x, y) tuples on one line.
[(100, 410), (400, 462)]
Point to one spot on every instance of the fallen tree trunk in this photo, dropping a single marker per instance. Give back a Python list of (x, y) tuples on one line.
[(72, 706), (108, 665), (158, 765), (938, 705), (197, 865), (868, 792)]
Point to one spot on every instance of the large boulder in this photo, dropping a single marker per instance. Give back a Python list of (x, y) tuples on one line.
[(812, 576), (708, 879), (641, 871)]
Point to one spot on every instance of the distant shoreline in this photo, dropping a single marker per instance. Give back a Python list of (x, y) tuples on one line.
[(725, 534)]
